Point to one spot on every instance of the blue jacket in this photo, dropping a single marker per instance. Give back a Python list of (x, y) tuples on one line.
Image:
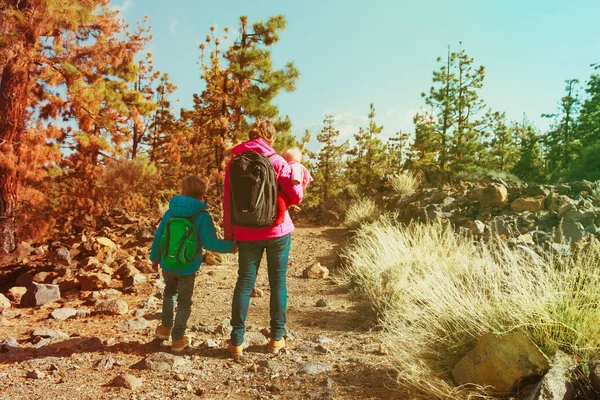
[(184, 206)]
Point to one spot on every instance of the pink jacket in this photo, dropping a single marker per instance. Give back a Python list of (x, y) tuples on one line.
[(283, 173)]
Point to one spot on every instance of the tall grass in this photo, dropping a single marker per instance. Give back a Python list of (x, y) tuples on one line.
[(360, 212), (437, 293), (405, 184)]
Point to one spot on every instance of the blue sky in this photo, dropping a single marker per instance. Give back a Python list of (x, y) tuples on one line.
[(351, 53)]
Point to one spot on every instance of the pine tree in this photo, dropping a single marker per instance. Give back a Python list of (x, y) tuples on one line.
[(425, 148), (57, 58), (530, 164), (329, 173), (588, 122), (503, 153), (398, 153), (562, 142)]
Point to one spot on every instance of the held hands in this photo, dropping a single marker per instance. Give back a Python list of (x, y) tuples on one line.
[(155, 267)]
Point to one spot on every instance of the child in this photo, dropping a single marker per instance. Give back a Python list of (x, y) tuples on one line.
[(300, 176), (185, 228)]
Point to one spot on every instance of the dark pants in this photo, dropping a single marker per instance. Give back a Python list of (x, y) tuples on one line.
[(178, 288), (250, 254)]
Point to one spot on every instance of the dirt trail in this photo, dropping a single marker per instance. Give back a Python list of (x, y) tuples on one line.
[(334, 335)]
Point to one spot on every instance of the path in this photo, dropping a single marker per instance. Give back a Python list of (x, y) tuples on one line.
[(334, 335)]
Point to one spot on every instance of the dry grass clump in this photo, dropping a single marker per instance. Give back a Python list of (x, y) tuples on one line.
[(361, 212), (436, 293), (405, 184)]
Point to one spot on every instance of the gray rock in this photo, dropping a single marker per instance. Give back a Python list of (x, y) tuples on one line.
[(305, 348), (224, 328), (210, 329), (556, 384), (62, 314), (537, 190), (160, 362), (135, 324), (47, 333), (501, 362), (583, 186), (62, 255), (477, 227), (127, 381), (563, 189), (272, 366), (320, 339), (501, 227), (105, 363), (38, 294), (322, 303), (570, 232), (586, 218), (314, 368), (35, 374)]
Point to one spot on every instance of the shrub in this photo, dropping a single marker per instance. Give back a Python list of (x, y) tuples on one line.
[(405, 184), (360, 212), (482, 174), (436, 293), (127, 184), (587, 166)]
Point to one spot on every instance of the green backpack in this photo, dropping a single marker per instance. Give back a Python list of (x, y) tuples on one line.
[(179, 242)]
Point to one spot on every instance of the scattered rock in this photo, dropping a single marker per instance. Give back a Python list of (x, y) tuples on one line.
[(38, 294), (160, 362), (224, 328), (314, 368), (133, 280), (94, 281), (48, 333), (105, 363), (570, 232), (35, 374), (501, 362), (10, 345), (126, 381), (531, 204), (62, 314), (272, 366), (254, 339), (477, 227), (494, 195), (134, 324), (322, 303), (316, 271), (62, 256), (112, 307), (556, 384), (320, 339), (4, 302)]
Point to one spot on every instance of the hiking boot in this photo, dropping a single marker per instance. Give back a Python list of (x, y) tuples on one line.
[(163, 332), (181, 344), (276, 345), (235, 351)]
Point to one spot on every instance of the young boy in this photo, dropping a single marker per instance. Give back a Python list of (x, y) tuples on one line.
[(184, 230)]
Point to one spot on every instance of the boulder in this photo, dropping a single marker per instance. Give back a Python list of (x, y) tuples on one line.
[(159, 362), (494, 195), (570, 232), (537, 190), (62, 256), (531, 204), (316, 271), (63, 314), (501, 362), (38, 294), (133, 280), (556, 384), (94, 281), (4, 302), (112, 307)]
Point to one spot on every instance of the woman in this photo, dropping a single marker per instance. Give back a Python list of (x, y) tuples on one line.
[(252, 243)]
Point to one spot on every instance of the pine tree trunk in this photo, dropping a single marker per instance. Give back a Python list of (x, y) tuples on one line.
[(13, 108)]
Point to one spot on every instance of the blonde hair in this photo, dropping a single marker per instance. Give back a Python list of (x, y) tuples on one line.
[(293, 154), (194, 186), (263, 129)]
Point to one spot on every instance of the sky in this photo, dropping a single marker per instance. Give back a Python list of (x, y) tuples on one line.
[(351, 53)]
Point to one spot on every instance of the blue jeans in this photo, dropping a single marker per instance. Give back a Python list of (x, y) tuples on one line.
[(250, 254), (178, 288)]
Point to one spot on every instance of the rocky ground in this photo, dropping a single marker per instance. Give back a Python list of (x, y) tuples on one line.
[(94, 339)]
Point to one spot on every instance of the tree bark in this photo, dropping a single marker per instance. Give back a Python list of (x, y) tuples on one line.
[(13, 109)]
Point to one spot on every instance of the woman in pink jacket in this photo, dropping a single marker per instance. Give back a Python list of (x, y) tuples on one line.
[(252, 243)]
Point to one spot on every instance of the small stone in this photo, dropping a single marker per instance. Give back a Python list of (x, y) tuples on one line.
[(48, 333), (9, 344), (212, 344), (254, 339), (105, 363), (53, 368), (62, 256), (477, 227), (160, 362), (127, 381), (35, 374), (322, 303), (112, 307), (179, 377), (94, 281), (314, 368), (15, 293), (38, 294), (272, 366), (256, 292), (224, 328), (320, 339), (134, 324), (556, 384), (63, 314), (531, 204), (316, 271)]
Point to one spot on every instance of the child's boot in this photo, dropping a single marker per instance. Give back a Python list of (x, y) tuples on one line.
[(181, 344), (163, 332)]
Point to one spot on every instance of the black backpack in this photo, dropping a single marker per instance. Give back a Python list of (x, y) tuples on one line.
[(252, 190)]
